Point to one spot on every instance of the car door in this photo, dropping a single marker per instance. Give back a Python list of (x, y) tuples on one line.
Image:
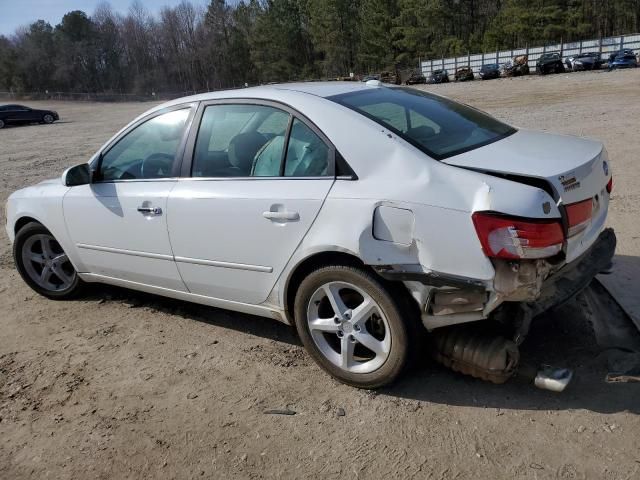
[(258, 177), (118, 222), (13, 114)]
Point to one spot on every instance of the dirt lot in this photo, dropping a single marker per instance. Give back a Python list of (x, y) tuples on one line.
[(126, 385)]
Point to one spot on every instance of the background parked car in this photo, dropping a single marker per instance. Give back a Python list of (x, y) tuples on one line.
[(489, 71), (623, 60), (19, 114), (438, 76), (390, 77), (549, 63), (416, 78), (519, 66), (584, 61), (463, 74)]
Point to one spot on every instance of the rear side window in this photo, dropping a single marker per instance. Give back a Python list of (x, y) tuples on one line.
[(438, 126), (232, 138), (244, 140), (307, 154)]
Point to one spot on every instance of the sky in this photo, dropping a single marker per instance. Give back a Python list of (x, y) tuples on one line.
[(15, 13)]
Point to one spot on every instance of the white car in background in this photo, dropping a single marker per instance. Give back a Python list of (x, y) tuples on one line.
[(362, 214)]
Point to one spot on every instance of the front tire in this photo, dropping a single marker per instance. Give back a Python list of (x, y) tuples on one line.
[(48, 119), (43, 264), (352, 326)]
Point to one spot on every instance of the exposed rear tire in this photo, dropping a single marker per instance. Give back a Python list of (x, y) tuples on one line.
[(43, 265), (354, 326)]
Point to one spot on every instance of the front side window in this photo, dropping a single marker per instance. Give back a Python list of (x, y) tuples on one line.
[(439, 127), (147, 151)]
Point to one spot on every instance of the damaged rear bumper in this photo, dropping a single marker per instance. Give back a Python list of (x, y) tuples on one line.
[(538, 285), (577, 275)]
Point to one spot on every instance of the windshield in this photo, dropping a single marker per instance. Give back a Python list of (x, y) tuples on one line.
[(439, 127)]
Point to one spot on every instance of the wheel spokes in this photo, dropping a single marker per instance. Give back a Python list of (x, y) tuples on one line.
[(333, 295), (36, 258), (370, 342), (363, 312), (346, 352), (45, 275), (324, 325)]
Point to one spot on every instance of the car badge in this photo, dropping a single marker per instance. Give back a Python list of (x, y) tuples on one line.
[(546, 207), (569, 183), (605, 167)]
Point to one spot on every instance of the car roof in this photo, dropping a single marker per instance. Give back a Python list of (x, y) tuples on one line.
[(319, 89)]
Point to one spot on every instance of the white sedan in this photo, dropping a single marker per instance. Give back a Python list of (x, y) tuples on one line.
[(363, 215)]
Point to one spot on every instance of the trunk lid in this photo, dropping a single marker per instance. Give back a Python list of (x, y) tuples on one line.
[(576, 168)]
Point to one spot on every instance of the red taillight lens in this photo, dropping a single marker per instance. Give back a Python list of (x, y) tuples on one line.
[(505, 237), (610, 185), (579, 216)]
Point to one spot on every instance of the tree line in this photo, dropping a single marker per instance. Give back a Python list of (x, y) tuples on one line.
[(230, 44)]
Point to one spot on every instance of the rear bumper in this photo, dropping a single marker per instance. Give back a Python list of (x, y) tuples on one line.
[(577, 275)]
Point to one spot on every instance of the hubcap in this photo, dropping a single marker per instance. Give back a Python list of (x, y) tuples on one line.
[(46, 263), (349, 327)]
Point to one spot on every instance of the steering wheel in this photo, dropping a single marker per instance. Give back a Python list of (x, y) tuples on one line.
[(157, 165)]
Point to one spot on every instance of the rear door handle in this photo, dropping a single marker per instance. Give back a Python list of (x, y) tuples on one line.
[(150, 210), (282, 216)]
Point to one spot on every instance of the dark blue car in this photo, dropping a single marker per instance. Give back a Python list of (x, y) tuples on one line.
[(624, 59)]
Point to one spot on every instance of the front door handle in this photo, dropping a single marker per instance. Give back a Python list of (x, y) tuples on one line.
[(150, 210), (282, 216)]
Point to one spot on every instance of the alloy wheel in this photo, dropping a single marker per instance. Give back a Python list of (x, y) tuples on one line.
[(349, 327), (48, 119), (46, 263)]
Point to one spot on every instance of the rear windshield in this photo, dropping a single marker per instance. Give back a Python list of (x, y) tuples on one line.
[(439, 127)]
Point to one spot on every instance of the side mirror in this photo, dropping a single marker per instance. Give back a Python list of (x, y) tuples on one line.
[(78, 175)]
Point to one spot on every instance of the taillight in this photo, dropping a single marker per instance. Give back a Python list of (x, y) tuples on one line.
[(610, 185), (506, 237), (579, 216)]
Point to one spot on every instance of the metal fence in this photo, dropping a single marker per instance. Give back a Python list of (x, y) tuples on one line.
[(604, 46)]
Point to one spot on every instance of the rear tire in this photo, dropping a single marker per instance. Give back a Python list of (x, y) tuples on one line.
[(2, 124), (43, 265), (353, 327)]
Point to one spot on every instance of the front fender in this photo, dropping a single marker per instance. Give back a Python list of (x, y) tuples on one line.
[(43, 203)]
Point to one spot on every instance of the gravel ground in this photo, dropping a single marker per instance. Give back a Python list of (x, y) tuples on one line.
[(126, 385)]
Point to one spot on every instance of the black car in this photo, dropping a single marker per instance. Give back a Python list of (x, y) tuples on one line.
[(438, 76), (489, 71), (549, 63), (415, 79), (584, 61), (17, 114)]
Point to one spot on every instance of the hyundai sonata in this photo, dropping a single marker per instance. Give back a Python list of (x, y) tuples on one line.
[(363, 215)]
